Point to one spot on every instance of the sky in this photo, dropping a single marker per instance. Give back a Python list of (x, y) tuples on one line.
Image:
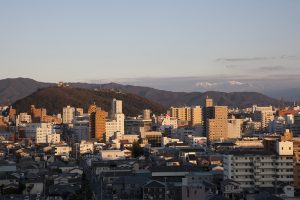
[(88, 40)]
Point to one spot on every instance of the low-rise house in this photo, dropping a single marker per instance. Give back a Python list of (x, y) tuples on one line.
[(231, 189), (129, 187), (154, 190)]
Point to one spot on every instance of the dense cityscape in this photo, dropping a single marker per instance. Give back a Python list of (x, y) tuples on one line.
[(199, 152), (149, 100)]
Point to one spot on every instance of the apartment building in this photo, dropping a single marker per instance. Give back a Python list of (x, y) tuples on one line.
[(68, 114), (259, 168)]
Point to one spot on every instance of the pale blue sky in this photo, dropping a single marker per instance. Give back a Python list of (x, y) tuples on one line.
[(86, 40)]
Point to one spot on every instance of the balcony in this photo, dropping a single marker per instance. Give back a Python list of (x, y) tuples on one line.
[(267, 167), (257, 183), (257, 177), (285, 161), (243, 167), (243, 173), (242, 161), (267, 172), (257, 164), (268, 179), (244, 179), (284, 167), (285, 179)]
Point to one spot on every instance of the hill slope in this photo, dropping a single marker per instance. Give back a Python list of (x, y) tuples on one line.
[(54, 99), (168, 98), (15, 89)]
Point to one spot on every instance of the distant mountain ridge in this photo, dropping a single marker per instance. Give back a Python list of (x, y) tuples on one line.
[(13, 89), (55, 98), (18, 88)]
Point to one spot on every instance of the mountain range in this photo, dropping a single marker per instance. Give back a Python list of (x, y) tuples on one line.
[(55, 98), (12, 90)]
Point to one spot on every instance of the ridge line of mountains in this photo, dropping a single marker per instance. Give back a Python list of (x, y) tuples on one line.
[(16, 91)]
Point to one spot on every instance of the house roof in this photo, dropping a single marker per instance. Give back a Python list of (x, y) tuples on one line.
[(154, 184), (176, 169), (137, 180)]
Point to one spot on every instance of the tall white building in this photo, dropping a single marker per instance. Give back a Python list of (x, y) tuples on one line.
[(68, 114), (264, 115), (116, 107), (116, 123), (39, 132)]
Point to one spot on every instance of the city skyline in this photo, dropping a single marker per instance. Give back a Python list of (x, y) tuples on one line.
[(114, 40)]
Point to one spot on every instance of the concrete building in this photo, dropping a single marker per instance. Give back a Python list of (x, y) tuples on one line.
[(259, 169), (68, 114), (264, 115), (37, 114), (39, 131), (114, 154), (296, 147), (53, 138), (12, 114), (234, 128), (117, 121), (146, 114), (80, 129), (181, 113), (193, 115), (117, 107), (23, 118), (296, 125), (97, 123), (278, 125), (167, 122), (136, 125), (79, 112), (196, 116), (86, 147), (192, 188), (153, 138), (63, 150), (216, 118)]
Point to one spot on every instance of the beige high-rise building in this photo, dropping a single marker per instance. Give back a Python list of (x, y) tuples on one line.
[(209, 102), (68, 114), (181, 113), (193, 115), (147, 114), (216, 123), (196, 116), (234, 128)]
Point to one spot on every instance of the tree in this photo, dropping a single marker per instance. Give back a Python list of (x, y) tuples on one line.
[(137, 150)]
